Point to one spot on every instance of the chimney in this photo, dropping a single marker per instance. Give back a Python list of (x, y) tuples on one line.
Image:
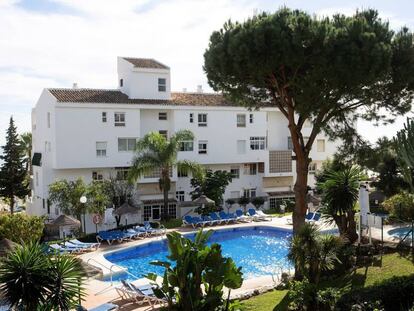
[(199, 89), (184, 90), (75, 86)]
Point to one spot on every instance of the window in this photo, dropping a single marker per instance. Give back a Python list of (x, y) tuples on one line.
[(162, 84), (172, 210), (241, 120), (163, 133), (241, 146), (251, 118), (320, 145), (147, 212), (97, 176), (275, 203), (48, 120), (104, 119), (182, 173), (249, 193), (121, 82), (312, 168), (119, 118), (191, 117), (101, 148), (162, 116), (202, 147), (179, 195), (260, 167), (234, 194), (126, 144), (250, 169), (122, 173), (202, 119), (187, 146), (235, 172), (257, 143)]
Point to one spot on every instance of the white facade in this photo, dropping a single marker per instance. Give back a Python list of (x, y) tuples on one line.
[(84, 133)]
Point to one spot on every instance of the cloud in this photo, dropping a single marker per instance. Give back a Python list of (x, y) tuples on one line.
[(53, 43)]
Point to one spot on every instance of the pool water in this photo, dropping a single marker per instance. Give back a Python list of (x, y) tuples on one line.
[(400, 232), (259, 251)]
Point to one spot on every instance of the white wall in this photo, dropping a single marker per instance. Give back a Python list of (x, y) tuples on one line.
[(79, 128)]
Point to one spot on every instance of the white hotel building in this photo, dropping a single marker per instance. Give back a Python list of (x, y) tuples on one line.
[(90, 133)]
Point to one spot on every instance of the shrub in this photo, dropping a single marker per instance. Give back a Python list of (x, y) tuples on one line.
[(396, 293), (196, 266), (172, 223), (21, 227), (400, 206)]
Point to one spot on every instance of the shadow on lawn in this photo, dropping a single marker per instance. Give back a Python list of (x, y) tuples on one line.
[(283, 304)]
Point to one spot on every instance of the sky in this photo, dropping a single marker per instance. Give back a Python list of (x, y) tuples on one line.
[(55, 43)]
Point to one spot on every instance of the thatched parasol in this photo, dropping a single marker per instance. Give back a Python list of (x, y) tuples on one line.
[(203, 200), (6, 246), (126, 209), (64, 220)]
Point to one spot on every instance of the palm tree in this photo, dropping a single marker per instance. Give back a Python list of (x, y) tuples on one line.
[(313, 252), (33, 280), (154, 153), (339, 195), (26, 145)]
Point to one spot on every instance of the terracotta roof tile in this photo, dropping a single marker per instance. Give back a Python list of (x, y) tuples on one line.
[(117, 97), (145, 63)]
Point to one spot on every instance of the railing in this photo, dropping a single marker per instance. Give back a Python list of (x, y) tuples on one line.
[(111, 273), (280, 161), (410, 232)]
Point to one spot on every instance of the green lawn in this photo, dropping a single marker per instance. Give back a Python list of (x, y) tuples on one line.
[(390, 265)]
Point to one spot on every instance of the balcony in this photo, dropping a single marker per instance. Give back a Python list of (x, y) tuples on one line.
[(280, 161)]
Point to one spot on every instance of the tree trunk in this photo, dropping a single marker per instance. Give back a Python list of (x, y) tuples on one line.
[(301, 189), (12, 204), (164, 213)]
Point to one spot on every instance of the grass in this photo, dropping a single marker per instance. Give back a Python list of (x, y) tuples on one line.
[(275, 212), (390, 265)]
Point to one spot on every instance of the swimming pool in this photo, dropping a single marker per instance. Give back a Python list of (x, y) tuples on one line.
[(258, 250), (399, 232)]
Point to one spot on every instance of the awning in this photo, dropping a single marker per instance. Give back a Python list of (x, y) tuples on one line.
[(37, 159), (158, 201), (281, 194)]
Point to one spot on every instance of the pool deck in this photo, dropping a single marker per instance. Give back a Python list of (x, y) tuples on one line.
[(99, 292)]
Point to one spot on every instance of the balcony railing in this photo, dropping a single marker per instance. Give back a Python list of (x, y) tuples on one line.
[(280, 161)]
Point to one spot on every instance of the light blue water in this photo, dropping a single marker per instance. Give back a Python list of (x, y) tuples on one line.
[(259, 251), (400, 232)]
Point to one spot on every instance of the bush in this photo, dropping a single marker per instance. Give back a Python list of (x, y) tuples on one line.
[(396, 293), (172, 223), (21, 227), (400, 206)]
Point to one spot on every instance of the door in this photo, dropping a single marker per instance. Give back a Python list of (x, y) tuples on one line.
[(156, 212)]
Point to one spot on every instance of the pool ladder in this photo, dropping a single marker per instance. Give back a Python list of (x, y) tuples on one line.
[(111, 273)]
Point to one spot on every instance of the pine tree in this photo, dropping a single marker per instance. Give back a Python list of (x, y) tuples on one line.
[(13, 182)]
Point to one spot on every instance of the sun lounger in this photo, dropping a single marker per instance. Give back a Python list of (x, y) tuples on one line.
[(65, 249), (154, 231), (110, 236), (218, 219), (188, 220), (207, 220), (242, 217), (253, 213), (84, 244), (139, 294), (105, 307)]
